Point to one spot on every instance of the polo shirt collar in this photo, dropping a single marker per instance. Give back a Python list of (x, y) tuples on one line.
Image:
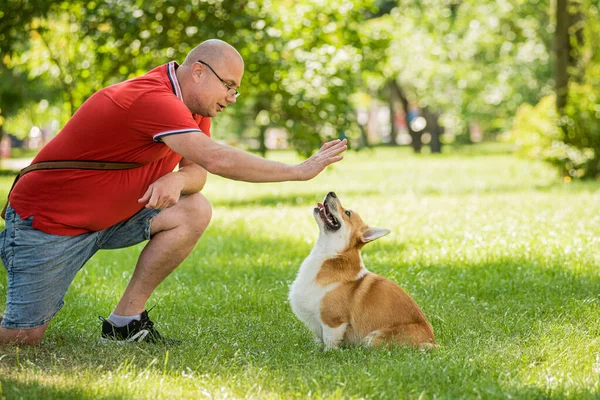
[(171, 68)]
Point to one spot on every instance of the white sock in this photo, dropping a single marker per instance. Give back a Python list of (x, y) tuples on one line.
[(120, 320)]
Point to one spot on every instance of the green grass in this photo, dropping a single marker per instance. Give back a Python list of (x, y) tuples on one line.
[(502, 257), (21, 152)]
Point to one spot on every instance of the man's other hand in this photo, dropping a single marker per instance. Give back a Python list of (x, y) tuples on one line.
[(163, 193)]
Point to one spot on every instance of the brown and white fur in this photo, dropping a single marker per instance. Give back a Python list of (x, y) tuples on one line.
[(340, 301)]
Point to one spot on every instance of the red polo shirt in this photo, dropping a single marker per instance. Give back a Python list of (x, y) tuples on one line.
[(121, 123)]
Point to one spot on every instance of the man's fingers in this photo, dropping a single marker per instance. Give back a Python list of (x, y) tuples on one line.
[(341, 145), (153, 203), (332, 160), (329, 144), (157, 197), (335, 143), (146, 196), (328, 154), (334, 151)]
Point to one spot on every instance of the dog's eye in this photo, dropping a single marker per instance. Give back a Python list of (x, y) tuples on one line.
[(348, 213)]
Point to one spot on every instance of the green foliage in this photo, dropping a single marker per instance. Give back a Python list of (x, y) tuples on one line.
[(303, 66), (303, 62), (537, 134), (582, 112), (15, 19), (472, 60), (582, 124), (19, 97), (570, 141), (534, 128)]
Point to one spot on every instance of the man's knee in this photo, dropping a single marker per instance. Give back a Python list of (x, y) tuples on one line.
[(198, 212), (192, 213)]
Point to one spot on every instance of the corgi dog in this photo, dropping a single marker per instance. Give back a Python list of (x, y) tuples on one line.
[(340, 301)]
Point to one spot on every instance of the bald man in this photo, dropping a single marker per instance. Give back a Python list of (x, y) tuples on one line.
[(58, 219)]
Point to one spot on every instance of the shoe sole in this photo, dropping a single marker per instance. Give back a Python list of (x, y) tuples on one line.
[(104, 340), (137, 338)]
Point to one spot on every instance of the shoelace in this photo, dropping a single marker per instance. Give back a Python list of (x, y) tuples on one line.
[(147, 324)]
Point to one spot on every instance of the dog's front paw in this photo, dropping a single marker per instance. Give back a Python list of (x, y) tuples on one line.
[(327, 349), (331, 344)]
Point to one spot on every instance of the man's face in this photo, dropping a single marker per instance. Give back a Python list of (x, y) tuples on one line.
[(211, 93)]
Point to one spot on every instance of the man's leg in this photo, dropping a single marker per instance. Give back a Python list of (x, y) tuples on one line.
[(175, 232), (40, 268)]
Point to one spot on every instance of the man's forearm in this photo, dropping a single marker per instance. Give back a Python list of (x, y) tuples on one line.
[(236, 164), (229, 162), (193, 178), (240, 165)]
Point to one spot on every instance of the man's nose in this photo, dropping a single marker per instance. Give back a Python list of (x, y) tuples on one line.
[(231, 99)]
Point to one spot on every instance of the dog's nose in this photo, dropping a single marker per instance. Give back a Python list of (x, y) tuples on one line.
[(332, 194)]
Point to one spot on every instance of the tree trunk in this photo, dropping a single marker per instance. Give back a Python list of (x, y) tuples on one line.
[(576, 25), (393, 128), (416, 136), (262, 141), (434, 129), (562, 49), (1, 136), (364, 138)]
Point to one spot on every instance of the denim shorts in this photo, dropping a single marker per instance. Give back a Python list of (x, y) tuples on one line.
[(41, 266)]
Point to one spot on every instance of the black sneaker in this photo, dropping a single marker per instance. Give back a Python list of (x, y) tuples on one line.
[(135, 331)]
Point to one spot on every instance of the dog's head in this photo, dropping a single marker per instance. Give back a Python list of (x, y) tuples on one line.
[(342, 226)]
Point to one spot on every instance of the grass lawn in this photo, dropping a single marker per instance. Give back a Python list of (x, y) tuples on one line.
[(501, 256)]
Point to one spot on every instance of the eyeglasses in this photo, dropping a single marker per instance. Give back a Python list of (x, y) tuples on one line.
[(230, 91)]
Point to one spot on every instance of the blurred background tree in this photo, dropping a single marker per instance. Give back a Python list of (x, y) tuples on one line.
[(563, 128), (418, 72)]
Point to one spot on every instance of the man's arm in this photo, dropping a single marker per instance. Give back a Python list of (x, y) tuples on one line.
[(194, 176), (165, 192), (232, 163)]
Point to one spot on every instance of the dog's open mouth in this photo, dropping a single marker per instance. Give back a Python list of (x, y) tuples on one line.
[(330, 221)]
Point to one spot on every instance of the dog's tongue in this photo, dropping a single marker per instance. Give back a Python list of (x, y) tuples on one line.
[(320, 205)]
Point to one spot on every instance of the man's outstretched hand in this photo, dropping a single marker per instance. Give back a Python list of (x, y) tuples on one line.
[(328, 154)]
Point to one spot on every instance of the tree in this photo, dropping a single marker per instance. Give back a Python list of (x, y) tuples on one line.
[(471, 60), (301, 69), (564, 128), (18, 89)]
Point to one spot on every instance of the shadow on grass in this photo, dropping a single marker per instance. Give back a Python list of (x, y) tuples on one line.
[(303, 199), (15, 389), (232, 314)]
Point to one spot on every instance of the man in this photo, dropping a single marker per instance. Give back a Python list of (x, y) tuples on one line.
[(58, 219)]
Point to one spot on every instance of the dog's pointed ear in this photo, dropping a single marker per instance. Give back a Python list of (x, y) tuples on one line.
[(374, 233)]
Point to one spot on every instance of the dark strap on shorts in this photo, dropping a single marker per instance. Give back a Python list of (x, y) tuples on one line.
[(45, 165)]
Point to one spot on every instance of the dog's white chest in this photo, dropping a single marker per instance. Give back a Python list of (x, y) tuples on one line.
[(306, 295)]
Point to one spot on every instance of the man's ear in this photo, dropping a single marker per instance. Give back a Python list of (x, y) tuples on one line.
[(374, 233), (197, 70)]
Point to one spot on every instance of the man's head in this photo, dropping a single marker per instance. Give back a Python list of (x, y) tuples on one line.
[(210, 76)]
